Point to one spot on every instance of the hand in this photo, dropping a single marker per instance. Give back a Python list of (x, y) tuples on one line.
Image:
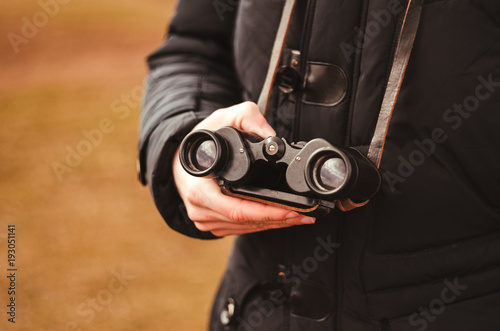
[(208, 208)]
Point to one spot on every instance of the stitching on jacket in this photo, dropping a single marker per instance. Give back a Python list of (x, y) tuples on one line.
[(432, 251)]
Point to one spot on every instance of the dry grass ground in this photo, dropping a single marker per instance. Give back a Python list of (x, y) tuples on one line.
[(77, 232)]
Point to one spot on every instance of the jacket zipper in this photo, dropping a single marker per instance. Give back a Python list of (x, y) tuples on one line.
[(304, 49)]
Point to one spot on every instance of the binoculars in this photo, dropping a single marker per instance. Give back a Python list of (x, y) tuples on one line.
[(307, 177)]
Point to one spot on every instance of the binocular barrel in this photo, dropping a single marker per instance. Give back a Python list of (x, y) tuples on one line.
[(342, 173), (203, 153), (315, 169)]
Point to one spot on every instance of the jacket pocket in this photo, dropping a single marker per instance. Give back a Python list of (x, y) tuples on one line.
[(247, 303)]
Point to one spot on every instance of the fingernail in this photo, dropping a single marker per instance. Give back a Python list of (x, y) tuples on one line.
[(308, 220), (292, 214), (262, 133)]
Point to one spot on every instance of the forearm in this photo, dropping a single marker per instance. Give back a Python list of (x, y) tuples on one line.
[(191, 75)]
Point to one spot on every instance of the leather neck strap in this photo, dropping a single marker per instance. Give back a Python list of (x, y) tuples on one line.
[(401, 57), (279, 42)]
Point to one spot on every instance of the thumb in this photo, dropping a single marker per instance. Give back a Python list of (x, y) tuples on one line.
[(253, 121), (264, 130)]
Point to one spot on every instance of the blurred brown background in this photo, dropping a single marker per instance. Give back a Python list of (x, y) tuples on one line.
[(92, 252)]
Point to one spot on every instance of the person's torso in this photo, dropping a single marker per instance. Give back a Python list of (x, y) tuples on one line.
[(436, 219)]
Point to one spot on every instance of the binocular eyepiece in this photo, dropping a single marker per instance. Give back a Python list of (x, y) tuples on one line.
[(307, 177), (202, 153)]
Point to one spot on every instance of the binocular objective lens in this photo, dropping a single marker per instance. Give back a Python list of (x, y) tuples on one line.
[(205, 155), (332, 173)]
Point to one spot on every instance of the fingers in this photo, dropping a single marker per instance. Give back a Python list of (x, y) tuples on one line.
[(222, 229), (206, 195), (244, 211), (213, 211)]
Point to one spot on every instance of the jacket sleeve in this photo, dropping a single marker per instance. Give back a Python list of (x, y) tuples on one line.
[(191, 75)]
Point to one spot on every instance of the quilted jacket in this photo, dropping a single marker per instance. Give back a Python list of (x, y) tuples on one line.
[(424, 254)]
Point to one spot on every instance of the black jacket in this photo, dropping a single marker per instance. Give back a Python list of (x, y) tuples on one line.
[(424, 254)]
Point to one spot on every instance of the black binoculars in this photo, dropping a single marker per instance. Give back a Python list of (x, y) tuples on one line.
[(307, 177)]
